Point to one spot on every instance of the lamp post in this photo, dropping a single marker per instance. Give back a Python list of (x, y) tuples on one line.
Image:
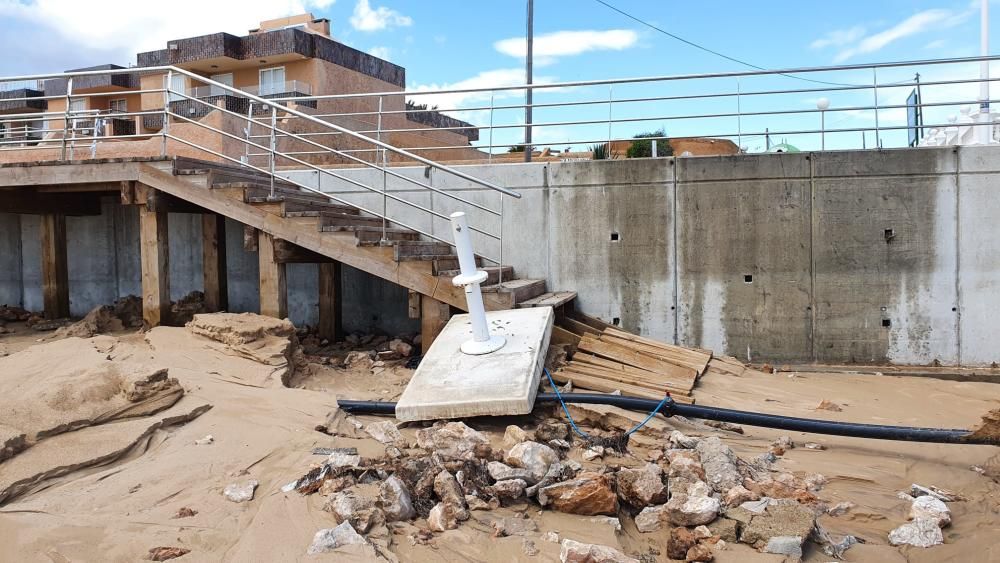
[(822, 105)]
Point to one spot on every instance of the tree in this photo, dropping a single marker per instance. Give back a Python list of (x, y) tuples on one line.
[(642, 147)]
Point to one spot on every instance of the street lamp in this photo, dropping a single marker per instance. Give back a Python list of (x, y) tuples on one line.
[(822, 105)]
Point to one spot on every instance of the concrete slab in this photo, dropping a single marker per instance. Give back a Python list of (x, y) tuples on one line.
[(450, 384)]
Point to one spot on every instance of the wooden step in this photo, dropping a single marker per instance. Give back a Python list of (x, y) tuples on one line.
[(334, 219), (372, 236), (554, 299), (493, 274), (421, 250), (291, 205), (517, 291)]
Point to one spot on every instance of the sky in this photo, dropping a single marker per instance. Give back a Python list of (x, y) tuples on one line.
[(462, 43)]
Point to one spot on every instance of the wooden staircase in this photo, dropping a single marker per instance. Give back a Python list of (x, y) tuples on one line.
[(307, 226)]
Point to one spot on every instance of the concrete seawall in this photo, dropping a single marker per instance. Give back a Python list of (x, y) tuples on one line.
[(864, 256)]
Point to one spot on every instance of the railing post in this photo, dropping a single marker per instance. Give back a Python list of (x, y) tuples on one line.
[(739, 117), (878, 142), (384, 155), (249, 133), (610, 96), (274, 145), (165, 130), (470, 279), (490, 157), (69, 105)]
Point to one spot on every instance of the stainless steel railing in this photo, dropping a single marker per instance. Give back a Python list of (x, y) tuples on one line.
[(74, 127)]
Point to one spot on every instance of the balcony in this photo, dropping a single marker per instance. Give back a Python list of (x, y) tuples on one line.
[(18, 98), (210, 97)]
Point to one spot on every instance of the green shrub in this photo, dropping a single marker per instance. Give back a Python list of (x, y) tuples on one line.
[(600, 151), (642, 147), (516, 148)]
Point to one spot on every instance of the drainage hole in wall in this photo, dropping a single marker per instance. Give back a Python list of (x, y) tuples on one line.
[(748, 278), (615, 237), (886, 323), (616, 321), (953, 309), (889, 234)]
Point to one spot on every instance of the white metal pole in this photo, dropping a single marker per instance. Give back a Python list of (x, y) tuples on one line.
[(984, 132), (471, 278)]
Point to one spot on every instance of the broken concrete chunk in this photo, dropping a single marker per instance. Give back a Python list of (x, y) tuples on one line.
[(650, 519), (385, 431), (509, 490), (589, 494), (442, 517), (514, 527), (447, 489), (331, 538), (344, 457), (360, 511), (592, 453), (513, 436), (576, 552), (700, 552), (533, 457), (551, 430), (921, 532), (678, 439), (685, 510), (930, 508), (719, 464), (395, 500), (780, 518), (840, 508), (502, 472), (476, 503), (642, 487), (790, 546), (453, 440), (738, 495), (725, 528), (240, 492)]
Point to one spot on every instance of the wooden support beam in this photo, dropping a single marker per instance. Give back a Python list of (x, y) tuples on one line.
[(289, 253), (413, 304), (127, 192), (250, 239), (433, 316), (55, 273), (155, 263), (32, 202), (213, 253), (330, 312), (273, 293), (160, 202)]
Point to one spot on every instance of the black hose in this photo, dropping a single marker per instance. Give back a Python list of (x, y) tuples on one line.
[(856, 430)]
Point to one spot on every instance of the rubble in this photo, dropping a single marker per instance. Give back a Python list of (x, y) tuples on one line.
[(641, 487), (385, 431), (166, 553), (514, 435), (331, 538), (576, 552), (921, 532), (447, 489), (534, 458), (240, 492), (693, 510), (930, 508), (589, 494), (351, 506), (681, 540), (718, 462), (650, 518), (394, 498), (502, 472), (514, 527), (790, 546), (442, 517), (840, 508), (452, 440), (780, 518)]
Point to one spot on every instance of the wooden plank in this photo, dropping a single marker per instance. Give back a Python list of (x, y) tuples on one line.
[(680, 357), (433, 316), (554, 299), (30, 202), (213, 259), (631, 378), (592, 321), (632, 357), (53, 175), (563, 336), (619, 333), (273, 291), (55, 272), (160, 202), (606, 386), (577, 327), (155, 266), (330, 310), (412, 304), (250, 239), (127, 191), (288, 253)]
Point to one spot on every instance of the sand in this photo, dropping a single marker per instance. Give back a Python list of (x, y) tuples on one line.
[(120, 509)]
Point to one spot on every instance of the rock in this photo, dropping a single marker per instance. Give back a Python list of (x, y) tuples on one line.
[(942, 495), (725, 528), (559, 445), (814, 446), (589, 494), (166, 553), (533, 457), (592, 453), (826, 405), (185, 512), (529, 547), (702, 532), (815, 482), (513, 436), (641, 487), (502, 472), (476, 503), (738, 495), (719, 464), (840, 508), (922, 532), (678, 439), (780, 518), (360, 359), (453, 440), (576, 552), (442, 517), (360, 511), (385, 431), (240, 492), (551, 537), (514, 527), (204, 441), (685, 510), (612, 521), (685, 465), (330, 539), (447, 489), (509, 490), (650, 519), (679, 542), (395, 501), (344, 457), (930, 508), (700, 552), (790, 546), (551, 430), (337, 484), (401, 347), (554, 475)]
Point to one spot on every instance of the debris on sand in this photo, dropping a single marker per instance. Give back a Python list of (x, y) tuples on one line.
[(988, 430), (576, 552), (265, 340), (331, 538), (166, 553), (240, 492)]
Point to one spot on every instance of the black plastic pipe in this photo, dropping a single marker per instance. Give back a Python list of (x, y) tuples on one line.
[(670, 408)]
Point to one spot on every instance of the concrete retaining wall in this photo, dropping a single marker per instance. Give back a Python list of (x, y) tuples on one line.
[(861, 256)]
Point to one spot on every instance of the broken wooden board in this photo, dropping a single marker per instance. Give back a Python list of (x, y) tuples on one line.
[(608, 386)]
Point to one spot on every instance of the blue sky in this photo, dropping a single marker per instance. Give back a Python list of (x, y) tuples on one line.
[(477, 43)]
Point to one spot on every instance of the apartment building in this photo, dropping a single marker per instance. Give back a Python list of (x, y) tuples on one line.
[(120, 114)]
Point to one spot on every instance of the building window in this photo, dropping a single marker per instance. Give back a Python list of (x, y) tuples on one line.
[(119, 105), (272, 81), (225, 78), (178, 83)]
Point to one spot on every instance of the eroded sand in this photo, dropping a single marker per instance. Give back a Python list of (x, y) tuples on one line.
[(118, 511)]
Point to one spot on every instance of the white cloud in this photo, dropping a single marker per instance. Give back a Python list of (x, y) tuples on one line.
[(367, 19), (920, 22), (127, 27), (839, 38), (936, 44), (564, 43), (380, 52)]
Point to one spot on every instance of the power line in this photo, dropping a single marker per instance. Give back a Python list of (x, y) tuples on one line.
[(716, 53)]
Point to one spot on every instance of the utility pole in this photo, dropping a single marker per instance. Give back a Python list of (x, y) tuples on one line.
[(528, 72), (984, 132), (920, 111)]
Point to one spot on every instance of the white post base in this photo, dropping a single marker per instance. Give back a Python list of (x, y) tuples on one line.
[(474, 348)]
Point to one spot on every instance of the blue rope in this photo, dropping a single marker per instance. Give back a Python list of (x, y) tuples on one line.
[(584, 434)]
